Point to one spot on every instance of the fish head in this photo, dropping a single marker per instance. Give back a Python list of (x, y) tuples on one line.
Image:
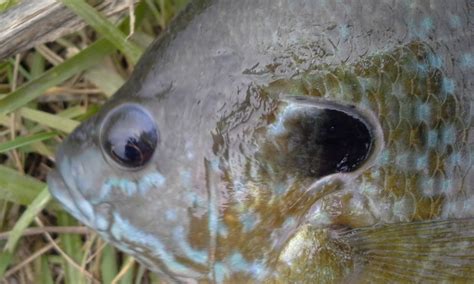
[(170, 176)]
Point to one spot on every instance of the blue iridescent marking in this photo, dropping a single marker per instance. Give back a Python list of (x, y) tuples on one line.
[(435, 60), (422, 68), (122, 229), (189, 155), (254, 171), (448, 85), (278, 127), (421, 162), (189, 150), (213, 217), (364, 84), (238, 263), (344, 32), (455, 21), (215, 163), (220, 272), (427, 184), (384, 157), (402, 160), (186, 178), (424, 112), (456, 158), (426, 25), (127, 186), (467, 60), (432, 138), (149, 181), (280, 188), (422, 29), (249, 220), (101, 222), (289, 223), (449, 135), (368, 188), (194, 199), (398, 91), (447, 185), (131, 188), (198, 256), (171, 215), (240, 193), (223, 231)]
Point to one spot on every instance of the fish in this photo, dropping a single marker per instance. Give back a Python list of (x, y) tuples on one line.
[(288, 141)]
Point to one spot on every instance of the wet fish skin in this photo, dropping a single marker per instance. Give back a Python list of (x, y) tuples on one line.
[(236, 193)]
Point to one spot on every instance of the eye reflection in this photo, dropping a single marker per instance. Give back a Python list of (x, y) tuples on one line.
[(129, 136)]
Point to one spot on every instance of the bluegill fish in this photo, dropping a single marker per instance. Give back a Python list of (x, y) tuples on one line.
[(288, 141)]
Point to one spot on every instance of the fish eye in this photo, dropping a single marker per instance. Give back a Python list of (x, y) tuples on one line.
[(129, 136)]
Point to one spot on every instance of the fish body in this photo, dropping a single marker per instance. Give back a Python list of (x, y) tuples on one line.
[(288, 141)]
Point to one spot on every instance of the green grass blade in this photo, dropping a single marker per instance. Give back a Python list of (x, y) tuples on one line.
[(108, 264), (105, 79), (71, 244), (50, 120), (7, 4), (37, 66), (85, 59), (5, 260), (43, 271), (105, 28), (22, 141), (20, 189), (21, 69), (72, 112), (127, 278), (38, 204), (140, 273)]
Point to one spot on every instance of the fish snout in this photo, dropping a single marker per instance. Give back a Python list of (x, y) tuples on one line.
[(71, 182)]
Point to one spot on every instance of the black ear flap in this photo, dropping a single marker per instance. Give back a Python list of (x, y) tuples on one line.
[(315, 138)]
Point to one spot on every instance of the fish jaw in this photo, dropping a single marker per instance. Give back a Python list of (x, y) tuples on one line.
[(63, 187), (60, 191)]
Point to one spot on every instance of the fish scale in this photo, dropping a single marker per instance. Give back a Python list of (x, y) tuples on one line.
[(296, 141)]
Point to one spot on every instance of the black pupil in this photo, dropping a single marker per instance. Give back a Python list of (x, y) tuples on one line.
[(129, 136)]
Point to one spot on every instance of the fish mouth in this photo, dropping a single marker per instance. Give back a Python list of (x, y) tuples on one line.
[(71, 199)]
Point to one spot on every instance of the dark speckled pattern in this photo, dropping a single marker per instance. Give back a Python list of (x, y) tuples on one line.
[(237, 191)]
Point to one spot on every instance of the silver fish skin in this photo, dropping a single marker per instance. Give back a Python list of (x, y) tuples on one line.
[(284, 141)]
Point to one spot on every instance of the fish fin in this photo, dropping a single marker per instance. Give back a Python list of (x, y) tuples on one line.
[(427, 251)]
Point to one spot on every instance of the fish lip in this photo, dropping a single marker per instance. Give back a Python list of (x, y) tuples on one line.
[(61, 192)]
